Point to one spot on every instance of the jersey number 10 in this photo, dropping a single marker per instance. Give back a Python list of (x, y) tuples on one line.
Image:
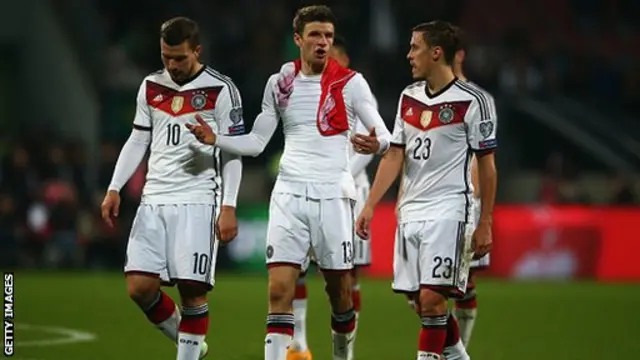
[(173, 134)]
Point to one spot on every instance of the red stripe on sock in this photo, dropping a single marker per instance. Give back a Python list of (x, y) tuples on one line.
[(467, 304), (343, 327), (453, 332), (162, 310), (196, 325), (432, 340), (301, 292), (355, 296), (280, 330)]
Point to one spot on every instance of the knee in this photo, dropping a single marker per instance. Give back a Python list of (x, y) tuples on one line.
[(280, 292), (143, 290), (338, 285), (192, 293), (432, 303)]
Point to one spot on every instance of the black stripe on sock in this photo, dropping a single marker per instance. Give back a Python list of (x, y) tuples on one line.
[(344, 317), (195, 311), (153, 304), (434, 322)]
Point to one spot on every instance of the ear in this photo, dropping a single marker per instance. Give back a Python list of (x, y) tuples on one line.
[(436, 53), (197, 50), (297, 38)]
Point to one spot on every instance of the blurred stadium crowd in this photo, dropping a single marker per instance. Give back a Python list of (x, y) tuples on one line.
[(585, 50)]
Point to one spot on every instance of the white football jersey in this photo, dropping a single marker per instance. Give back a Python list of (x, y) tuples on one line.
[(312, 164), (180, 169), (440, 132)]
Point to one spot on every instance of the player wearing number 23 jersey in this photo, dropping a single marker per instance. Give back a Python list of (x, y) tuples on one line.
[(439, 132)]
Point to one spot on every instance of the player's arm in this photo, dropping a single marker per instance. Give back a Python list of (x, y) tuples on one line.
[(135, 147), (265, 125), (366, 109), (475, 179), (388, 170), (390, 164), (359, 162), (231, 123), (482, 123)]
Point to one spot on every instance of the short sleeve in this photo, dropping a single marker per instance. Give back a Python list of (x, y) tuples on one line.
[(481, 123), (229, 114), (398, 136), (142, 119)]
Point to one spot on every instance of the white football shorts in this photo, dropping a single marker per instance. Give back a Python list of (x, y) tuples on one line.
[(435, 254), (175, 242), (300, 226)]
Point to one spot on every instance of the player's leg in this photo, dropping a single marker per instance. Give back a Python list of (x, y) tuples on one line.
[(287, 249), (333, 248), (192, 260), (145, 262), (444, 269), (300, 313), (467, 310)]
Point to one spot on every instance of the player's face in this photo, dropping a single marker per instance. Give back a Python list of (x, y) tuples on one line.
[(422, 57), (315, 42), (340, 56), (179, 60)]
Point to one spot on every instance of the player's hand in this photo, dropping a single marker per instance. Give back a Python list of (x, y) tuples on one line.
[(482, 239), (364, 222), (227, 225), (366, 144), (110, 207), (202, 131)]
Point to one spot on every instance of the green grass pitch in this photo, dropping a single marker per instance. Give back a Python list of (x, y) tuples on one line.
[(523, 321)]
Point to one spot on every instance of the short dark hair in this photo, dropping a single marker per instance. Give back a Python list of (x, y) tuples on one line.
[(180, 29), (307, 14), (442, 34), (462, 38)]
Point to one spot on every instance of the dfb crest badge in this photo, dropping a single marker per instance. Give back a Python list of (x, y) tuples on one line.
[(198, 101), (446, 114)]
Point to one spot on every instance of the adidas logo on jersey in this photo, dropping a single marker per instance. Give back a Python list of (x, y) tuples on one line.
[(158, 98), (409, 112)]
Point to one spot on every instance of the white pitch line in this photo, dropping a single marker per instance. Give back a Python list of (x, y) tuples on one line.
[(67, 336)]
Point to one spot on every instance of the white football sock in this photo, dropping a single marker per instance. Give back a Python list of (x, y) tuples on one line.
[(195, 319), (343, 341), (423, 355), (278, 338), (275, 346), (300, 327), (456, 352), (169, 327), (466, 321), (189, 346)]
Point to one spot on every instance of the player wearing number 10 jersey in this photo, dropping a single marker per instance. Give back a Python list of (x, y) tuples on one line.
[(441, 122), (185, 209)]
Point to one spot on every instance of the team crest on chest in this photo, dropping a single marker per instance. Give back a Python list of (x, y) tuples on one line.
[(446, 114), (199, 100), (425, 118), (177, 103)]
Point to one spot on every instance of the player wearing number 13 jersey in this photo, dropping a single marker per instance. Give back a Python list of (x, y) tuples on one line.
[(441, 122), (185, 209)]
